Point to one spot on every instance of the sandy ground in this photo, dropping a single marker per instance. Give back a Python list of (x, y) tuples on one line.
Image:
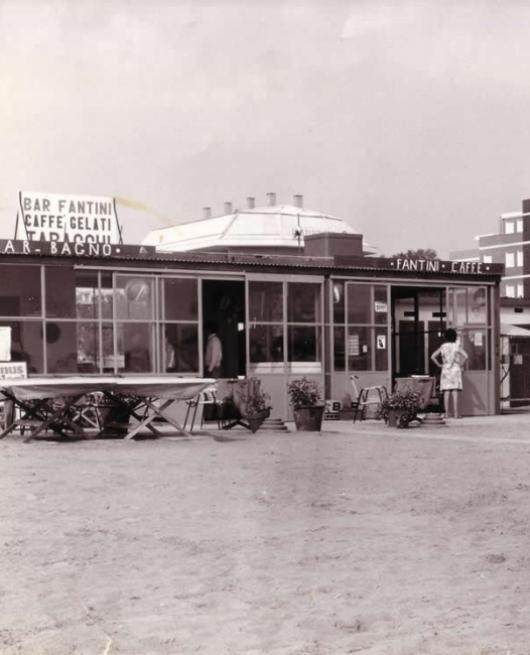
[(361, 539)]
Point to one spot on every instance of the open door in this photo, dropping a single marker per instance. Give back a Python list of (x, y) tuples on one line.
[(418, 326), (223, 305)]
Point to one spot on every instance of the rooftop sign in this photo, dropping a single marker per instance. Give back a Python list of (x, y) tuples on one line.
[(440, 266), (75, 249), (62, 217)]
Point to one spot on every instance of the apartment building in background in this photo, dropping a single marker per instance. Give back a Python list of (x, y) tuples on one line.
[(510, 246)]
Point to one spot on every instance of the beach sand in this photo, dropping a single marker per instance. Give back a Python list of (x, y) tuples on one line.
[(360, 539)]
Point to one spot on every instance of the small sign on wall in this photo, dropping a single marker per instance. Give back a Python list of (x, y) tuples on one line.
[(380, 342), (353, 345)]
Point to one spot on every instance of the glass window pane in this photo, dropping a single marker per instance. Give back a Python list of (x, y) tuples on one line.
[(60, 292), (180, 353), (61, 347), (26, 343), (380, 305), (304, 344), (72, 347), (477, 311), (21, 293), (110, 362), (86, 294), (107, 295), (135, 345), (474, 343), (134, 297), (303, 302), (359, 303), (265, 301), (359, 349), (180, 296), (266, 343), (87, 347), (338, 302), (457, 306), (339, 357)]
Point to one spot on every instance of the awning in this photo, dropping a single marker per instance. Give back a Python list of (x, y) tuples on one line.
[(509, 330)]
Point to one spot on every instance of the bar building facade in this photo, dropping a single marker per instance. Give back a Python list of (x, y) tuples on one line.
[(326, 312)]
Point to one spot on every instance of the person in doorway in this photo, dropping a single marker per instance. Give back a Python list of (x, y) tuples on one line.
[(450, 357), (214, 352)]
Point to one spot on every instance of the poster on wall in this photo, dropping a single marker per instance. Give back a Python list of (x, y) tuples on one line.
[(64, 217)]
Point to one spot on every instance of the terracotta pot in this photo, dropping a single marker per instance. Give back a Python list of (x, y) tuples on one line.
[(309, 419)]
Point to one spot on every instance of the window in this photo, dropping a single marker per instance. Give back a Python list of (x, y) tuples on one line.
[(519, 258), (26, 343), (520, 291), (266, 328), (467, 311), (519, 225), (510, 291), (179, 333), (509, 259), (509, 227), (304, 333), (134, 297), (361, 344), (487, 259), (21, 290)]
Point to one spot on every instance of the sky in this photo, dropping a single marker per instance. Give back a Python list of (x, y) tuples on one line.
[(410, 120)]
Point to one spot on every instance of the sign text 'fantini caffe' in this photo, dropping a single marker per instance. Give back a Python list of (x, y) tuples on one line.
[(67, 218)]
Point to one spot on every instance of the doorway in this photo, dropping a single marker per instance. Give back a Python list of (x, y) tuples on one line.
[(223, 306), (418, 326)]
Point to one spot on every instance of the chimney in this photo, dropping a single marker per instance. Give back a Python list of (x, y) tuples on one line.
[(271, 199), (251, 202), (228, 207), (298, 201), (207, 212)]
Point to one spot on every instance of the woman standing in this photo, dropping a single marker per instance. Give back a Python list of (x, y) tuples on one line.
[(452, 362)]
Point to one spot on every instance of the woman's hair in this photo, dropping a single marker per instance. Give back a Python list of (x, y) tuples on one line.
[(450, 335)]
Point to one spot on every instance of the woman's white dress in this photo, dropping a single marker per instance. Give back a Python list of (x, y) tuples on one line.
[(452, 360)]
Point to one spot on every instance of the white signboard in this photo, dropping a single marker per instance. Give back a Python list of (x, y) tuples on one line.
[(13, 370), (62, 217), (5, 344)]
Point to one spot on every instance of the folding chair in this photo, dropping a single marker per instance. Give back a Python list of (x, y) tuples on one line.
[(205, 399), (366, 396)]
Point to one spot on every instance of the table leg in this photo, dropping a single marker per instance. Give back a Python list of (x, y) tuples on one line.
[(60, 416), (157, 411)]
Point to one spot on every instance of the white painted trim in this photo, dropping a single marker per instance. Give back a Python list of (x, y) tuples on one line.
[(514, 277), (505, 245)]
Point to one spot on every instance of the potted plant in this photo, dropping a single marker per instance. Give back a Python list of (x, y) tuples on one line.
[(308, 408), (255, 404), (247, 405), (400, 408)]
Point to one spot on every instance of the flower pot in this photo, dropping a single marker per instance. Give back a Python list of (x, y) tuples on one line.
[(309, 419), (255, 421), (398, 418)]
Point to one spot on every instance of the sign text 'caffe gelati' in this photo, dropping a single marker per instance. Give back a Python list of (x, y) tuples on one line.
[(68, 218)]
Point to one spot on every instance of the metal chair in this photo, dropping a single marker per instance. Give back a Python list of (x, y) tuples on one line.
[(366, 396)]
